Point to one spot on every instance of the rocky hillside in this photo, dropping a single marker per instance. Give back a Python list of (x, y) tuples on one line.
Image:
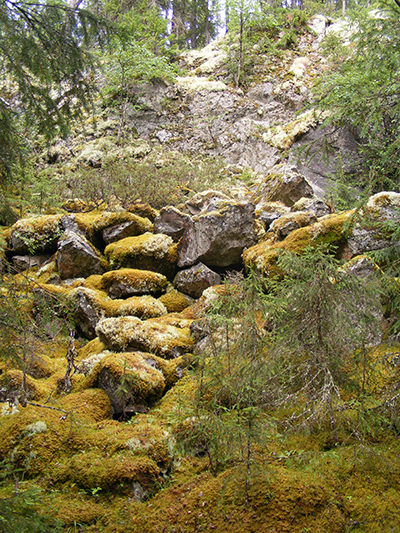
[(104, 318)]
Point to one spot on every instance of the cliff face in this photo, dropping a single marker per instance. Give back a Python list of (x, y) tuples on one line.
[(202, 114)]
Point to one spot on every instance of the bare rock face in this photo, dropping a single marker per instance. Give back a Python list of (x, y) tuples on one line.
[(120, 231), (218, 238), (367, 233), (196, 279), (284, 185), (76, 257), (86, 313), (23, 262), (206, 201), (171, 222)]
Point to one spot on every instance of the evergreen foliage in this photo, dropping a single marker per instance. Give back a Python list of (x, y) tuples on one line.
[(226, 419), (324, 319), (45, 70), (362, 92)]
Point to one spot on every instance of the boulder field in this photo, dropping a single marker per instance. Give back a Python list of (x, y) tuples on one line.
[(134, 289)]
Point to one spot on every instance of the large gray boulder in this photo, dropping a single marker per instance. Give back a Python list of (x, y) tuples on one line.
[(196, 279), (218, 238), (77, 257)]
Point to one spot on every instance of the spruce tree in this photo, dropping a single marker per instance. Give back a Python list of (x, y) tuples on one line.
[(46, 76)]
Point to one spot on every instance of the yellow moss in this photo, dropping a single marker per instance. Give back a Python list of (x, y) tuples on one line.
[(92, 470), (42, 225), (90, 404), (93, 282), (76, 509), (174, 301), (140, 306), (12, 382), (112, 219), (328, 230), (149, 251), (140, 280), (93, 347), (164, 340)]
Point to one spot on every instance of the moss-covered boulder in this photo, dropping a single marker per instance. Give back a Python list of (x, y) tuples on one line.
[(90, 306), (291, 221), (91, 405), (36, 234), (328, 230), (118, 472), (129, 381), (175, 301), (132, 282), (131, 333), (156, 252)]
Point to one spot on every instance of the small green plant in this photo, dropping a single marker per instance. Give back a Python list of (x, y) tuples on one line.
[(227, 421)]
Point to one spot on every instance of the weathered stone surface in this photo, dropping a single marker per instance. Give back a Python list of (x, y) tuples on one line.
[(218, 238), (263, 256), (284, 184), (86, 313), (196, 279), (121, 231), (367, 233), (23, 262), (132, 282), (267, 212), (313, 205), (36, 234), (171, 222), (76, 257), (206, 201), (316, 167), (288, 223), (130, 333), (155, 252)]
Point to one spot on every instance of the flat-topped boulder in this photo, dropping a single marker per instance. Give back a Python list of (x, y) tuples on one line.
[(36, 234), (156, 252), (128, 282), (131, 333)]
